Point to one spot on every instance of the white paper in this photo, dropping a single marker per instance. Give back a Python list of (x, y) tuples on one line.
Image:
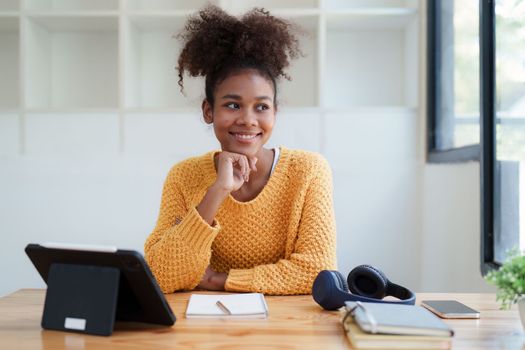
[(249, 304)]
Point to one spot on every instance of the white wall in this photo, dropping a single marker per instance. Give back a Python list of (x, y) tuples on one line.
[(373, 156), (451, 243)]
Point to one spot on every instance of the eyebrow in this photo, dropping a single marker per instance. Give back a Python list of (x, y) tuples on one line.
[(238, 97)]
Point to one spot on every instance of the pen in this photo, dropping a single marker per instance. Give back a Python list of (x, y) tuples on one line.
[(223, 308)]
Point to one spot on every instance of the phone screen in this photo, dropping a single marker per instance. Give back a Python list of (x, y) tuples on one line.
[(450, 309)]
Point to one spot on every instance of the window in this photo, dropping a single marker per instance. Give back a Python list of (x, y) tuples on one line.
[(453, 80), (506, 153), (476, 94)]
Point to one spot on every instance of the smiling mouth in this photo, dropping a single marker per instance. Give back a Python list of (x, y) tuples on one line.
[(245, 137)]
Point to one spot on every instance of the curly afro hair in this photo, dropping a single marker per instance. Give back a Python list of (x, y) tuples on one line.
[(216, 44)]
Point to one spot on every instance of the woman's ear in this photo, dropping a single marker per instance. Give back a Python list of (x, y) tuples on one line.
[(207, 112)]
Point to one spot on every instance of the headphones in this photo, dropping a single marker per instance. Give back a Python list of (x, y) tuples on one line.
[(366, 284)]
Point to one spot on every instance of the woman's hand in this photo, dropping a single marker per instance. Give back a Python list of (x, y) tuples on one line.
[(233, 170), (213, 280)]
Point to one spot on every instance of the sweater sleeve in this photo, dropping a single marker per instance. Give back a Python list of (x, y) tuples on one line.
[(315, 247), (179, 248)]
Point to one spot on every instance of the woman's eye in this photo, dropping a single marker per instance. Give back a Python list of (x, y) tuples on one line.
[(233, 105), (262, 107)]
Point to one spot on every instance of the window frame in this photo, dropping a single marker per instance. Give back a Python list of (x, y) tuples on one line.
[(487, 133), (434, 155)]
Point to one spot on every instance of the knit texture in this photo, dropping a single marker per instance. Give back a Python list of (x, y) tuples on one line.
[(274, 244)]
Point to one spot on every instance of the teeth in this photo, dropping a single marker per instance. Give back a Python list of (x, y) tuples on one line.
[(245, 137)]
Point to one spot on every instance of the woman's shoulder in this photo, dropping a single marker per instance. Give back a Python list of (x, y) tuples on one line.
[(307, 161)]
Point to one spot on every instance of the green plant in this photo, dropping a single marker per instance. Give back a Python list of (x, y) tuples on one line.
[(509, 279)]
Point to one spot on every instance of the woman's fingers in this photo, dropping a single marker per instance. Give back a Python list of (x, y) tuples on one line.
[(252, 161), (246, 167), (213, 280), (243, 165), (239, 166)]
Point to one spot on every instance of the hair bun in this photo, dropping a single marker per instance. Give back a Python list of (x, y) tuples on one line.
[(213, 39)]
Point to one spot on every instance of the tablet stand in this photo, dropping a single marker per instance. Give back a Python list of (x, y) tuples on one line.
[(81, 298)]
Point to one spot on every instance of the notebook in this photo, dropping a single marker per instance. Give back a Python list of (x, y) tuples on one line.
[(381, 318), (248, 305), (363, 340)]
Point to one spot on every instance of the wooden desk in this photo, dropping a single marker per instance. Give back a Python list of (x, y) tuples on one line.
[(294, 323)]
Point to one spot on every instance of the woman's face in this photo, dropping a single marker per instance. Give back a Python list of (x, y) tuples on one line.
[(243, 115)]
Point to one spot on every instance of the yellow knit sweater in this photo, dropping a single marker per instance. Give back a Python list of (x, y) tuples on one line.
[(273, 244)]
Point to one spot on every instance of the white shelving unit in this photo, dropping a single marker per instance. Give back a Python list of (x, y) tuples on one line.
[(303, 89), (76, 57), (150, 59)]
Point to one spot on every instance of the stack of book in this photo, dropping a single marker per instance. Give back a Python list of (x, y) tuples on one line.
[(390, 326)]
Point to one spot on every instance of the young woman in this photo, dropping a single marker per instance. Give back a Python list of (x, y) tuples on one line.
[(246, 218)]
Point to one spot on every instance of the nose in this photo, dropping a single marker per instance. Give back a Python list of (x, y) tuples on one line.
[(248, 117)]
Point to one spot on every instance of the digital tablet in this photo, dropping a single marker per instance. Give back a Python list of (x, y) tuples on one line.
[(139, 296)]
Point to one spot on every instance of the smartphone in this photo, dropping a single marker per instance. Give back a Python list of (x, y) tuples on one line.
[(450, 309)]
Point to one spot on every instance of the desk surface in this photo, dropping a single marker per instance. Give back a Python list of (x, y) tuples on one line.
[(295, 322)]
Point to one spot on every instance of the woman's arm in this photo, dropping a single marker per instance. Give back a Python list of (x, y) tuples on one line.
[(314, 249), (179, 248)]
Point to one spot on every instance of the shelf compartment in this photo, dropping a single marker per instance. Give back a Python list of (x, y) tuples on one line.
[(9, 62), (151, 77), (72, 5), (303, 90), (365, 68), (71, 62)]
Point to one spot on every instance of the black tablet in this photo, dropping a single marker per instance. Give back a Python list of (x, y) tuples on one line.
[(93, 282)]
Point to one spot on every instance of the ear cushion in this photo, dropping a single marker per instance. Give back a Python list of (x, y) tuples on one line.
[(366, 280), (342, 281), (328, 289)]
